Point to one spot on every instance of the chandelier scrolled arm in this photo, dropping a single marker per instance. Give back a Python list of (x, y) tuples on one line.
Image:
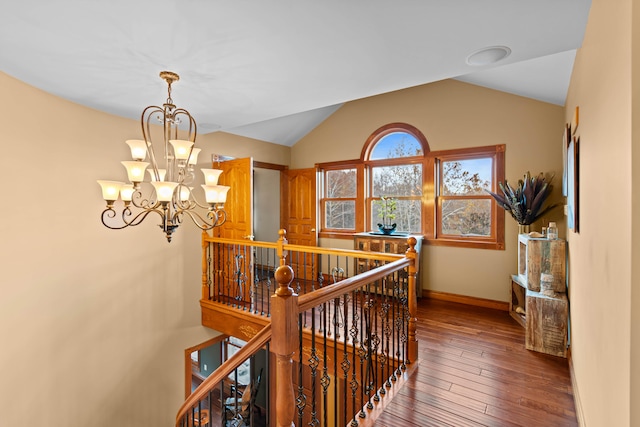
[(214, 218), (126, 212), (168, 192)]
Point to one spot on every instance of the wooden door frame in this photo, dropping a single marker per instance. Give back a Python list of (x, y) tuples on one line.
[(187, 360)]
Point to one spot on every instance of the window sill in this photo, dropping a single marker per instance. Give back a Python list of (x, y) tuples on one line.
[(473, 244), (336, 234)]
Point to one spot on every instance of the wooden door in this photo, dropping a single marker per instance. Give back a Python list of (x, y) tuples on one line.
[(299, 206), (238, 174), (298, 217), (237, 288)]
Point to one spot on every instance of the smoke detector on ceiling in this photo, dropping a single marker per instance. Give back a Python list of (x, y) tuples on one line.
[(488, 55)]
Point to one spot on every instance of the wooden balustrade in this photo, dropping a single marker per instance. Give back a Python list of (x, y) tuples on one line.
[(286, 308), (185, 413)]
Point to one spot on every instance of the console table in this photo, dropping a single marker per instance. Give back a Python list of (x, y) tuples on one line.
[(395, 243)]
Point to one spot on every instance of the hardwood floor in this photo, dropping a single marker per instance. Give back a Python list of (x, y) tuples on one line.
[(475, 371)]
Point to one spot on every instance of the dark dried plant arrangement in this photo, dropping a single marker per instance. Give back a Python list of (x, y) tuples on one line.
[(525, 203)]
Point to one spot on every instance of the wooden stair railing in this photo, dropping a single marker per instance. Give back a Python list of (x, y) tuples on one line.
[(285, 331), (285, 321), (186, 412)]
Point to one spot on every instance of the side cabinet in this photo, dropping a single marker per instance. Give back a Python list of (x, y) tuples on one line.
[(541, 308)]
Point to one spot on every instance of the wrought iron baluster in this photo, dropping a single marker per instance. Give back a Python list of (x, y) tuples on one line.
[(337, 274), (253, 295), (346, 366), (396, 331), (325, 381), (208, 271), (313, 365), (354, 378), (386, 334), (301, 400), (406, 315), (239, 277)]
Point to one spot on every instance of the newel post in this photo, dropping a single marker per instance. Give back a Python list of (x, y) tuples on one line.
[(284, 339), (413, 301)]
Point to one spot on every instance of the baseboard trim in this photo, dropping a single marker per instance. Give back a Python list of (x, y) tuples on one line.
[(574, 389), (463, 299)]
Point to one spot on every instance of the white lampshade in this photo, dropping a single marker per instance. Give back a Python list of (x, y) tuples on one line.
[(135, 170), (164, 190), (181, 148), (193, 158), (215, 193), (126, 192), (211, 176), (138, 149), (152, 175), (185, 192), (110, 189)]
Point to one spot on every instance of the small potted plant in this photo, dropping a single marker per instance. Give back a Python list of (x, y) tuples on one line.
[(525, 203), (386, 212)]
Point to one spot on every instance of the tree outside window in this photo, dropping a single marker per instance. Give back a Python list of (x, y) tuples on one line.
[(403, 183), (466, 209), (340, 199), (466, 214)]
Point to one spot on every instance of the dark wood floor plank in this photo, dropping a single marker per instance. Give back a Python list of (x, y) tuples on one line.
[(412, 387), (475, 371)]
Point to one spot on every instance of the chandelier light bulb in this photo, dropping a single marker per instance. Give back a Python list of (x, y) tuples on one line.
[(185, 193), (193, 158), (138, 149), (164, 190), (110, 189), (215, 194), (181, 148), (152, 175), (211, 176), (126, 192), (135, 170)]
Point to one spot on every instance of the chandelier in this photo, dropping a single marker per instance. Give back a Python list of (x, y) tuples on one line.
[(168, 192)]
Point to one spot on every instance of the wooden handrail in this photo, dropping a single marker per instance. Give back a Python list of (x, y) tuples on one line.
[(328, 293), (258, 244), (346, 252), (254, 344), (308, 249)]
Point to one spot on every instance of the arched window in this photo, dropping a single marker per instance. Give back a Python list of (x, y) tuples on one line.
[(394, 159)]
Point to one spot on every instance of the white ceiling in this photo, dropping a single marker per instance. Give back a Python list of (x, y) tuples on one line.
[(273, 70)]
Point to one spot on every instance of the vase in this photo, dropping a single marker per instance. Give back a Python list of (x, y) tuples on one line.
[(524, 228)]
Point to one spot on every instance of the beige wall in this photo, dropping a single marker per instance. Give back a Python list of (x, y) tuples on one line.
[(600, 256), (93, 322), (635, 219), (453, 114)]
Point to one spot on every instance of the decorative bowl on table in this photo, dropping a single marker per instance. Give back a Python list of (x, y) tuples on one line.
[(387, 229)]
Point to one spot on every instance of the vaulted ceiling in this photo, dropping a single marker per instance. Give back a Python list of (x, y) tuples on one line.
[(273, 70)]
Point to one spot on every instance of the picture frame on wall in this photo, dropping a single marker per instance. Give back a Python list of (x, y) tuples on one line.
[(573, 167), (566, 138)]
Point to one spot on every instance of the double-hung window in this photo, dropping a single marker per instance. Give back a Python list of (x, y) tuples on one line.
[(339, 200), (466, 215)]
